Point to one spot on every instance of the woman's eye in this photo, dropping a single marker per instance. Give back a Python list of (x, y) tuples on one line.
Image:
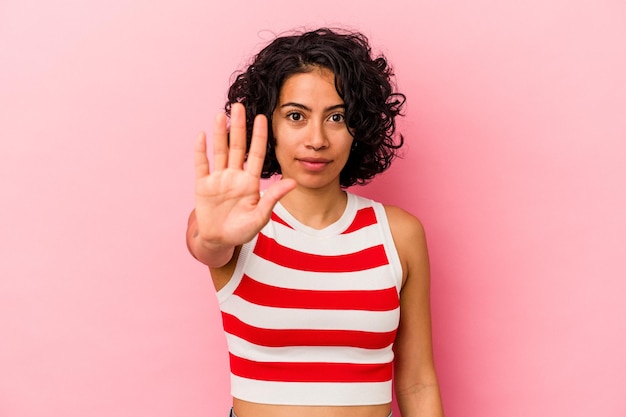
[(337, 118), (294, 117)]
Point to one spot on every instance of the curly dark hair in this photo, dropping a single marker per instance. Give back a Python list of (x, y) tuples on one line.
[(362, 81)]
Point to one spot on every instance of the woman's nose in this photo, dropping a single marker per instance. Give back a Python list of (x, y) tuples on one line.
[(317, 138)]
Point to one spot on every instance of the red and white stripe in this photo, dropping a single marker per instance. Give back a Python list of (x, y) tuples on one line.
[(311, 315)]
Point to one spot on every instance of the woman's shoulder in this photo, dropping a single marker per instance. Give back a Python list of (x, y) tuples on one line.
[(400, 220), (406, 228), (409, 238), (401, 216)]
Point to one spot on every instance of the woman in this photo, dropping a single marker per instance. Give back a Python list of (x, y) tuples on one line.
[(324, 294)]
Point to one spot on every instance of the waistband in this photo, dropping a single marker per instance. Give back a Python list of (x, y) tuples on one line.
[(232, 413)]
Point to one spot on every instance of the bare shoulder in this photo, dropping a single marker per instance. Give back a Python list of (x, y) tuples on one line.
[(405, 227), (409, 238)]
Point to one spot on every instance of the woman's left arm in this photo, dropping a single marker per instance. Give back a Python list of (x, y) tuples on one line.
[(415, 379)]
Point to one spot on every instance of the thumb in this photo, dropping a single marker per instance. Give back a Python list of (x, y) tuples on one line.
[(275, 192)]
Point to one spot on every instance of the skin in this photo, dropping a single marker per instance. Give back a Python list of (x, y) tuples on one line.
[(312, 146)]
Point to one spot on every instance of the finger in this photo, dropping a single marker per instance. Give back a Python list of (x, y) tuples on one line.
[(220, 142), (275, 192), (201, 161), (256, 154), (237, 136)]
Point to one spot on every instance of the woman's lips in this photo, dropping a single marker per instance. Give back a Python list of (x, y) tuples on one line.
[(314, 164)]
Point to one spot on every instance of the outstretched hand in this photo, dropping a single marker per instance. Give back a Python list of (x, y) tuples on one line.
[(228, 206)]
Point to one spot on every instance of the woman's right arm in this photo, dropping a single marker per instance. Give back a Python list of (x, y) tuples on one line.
[(215, 256), (229, 209)]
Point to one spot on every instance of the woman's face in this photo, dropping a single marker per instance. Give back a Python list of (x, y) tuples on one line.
[(312, 139)]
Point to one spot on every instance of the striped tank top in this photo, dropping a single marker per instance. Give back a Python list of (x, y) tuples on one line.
[(310, 315)]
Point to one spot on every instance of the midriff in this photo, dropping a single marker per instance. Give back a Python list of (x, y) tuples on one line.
[(248, 409)]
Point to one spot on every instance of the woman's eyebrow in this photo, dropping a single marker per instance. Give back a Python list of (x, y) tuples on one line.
[(306, 108)]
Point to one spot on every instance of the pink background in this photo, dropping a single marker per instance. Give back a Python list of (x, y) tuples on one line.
[(516, 132)]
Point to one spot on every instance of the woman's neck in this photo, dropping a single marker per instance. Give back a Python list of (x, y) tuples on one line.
[(316, 208)]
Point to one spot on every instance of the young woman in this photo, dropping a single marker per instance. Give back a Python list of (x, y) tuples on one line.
[(324, 294)]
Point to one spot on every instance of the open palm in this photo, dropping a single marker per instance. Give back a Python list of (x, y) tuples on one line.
[(229, 208)]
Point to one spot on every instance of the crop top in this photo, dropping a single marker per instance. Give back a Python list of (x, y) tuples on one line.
[(311, 315)]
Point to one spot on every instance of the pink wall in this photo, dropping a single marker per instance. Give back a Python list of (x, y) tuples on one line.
[(516, 133)]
